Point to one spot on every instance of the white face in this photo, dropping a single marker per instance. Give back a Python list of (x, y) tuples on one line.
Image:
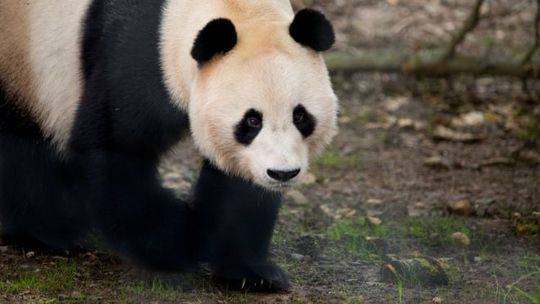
[(262, 117)]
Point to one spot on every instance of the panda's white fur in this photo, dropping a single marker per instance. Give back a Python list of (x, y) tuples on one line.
[(44, 66), (40, 61)]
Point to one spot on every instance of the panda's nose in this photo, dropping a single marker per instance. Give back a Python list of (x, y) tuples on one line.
[(283, 176)]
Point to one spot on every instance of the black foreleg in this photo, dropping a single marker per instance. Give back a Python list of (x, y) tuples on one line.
[(137, 216), (236, 220)]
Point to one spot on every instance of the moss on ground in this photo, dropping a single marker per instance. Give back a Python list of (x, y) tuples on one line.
[(50, 281)]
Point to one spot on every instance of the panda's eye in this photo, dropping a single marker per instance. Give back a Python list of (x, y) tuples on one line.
[(299, 117), (249, 127), (254, 122), (304, 121)]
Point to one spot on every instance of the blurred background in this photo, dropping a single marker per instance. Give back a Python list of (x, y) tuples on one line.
[(429, 194)]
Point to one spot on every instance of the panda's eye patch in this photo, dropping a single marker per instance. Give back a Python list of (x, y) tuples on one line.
[(249, 127), (304, 121)]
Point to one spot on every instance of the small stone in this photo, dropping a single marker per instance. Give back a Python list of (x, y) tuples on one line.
[(462, 207), (297, 256), (309, 179), (30, 254), (437, 300), (461, 238), (4, 249), (477, 259), (297, 197), (374, 220)]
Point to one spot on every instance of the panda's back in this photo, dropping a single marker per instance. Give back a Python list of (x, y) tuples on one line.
[(40, 60)]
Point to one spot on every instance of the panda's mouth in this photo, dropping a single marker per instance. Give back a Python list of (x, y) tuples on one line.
[(280, 186)]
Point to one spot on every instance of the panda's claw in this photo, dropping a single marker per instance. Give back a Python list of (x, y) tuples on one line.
[(243, 283)]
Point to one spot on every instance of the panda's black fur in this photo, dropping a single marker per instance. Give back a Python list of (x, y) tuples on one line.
[(108, 182)]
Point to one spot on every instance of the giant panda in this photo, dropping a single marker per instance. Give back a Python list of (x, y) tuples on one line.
[(94, 93)]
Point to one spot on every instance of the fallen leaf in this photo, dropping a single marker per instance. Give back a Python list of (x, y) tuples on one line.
[(461, 238), (437, 162), (405, 123), (413, 271), (462, 207), (297, 197), (437, 300), (374, 202), (444, 133), (394, 103), (346, 213), (374, 220), (309, 179), (326, 210), (471, 119)]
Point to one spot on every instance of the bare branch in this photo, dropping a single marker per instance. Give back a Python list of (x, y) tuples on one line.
[(528, 56), (426, 64), (470, 24)]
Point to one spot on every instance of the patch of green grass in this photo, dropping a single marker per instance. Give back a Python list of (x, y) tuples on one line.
[(400, 292), (525, 284), (436, 231), (355, 236), (368, 116), (155, 289), (332, 159), (59, 279)]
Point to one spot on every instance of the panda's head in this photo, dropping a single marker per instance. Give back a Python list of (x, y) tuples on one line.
[(263, 103)]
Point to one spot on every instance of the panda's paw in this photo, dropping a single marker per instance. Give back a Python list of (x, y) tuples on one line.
[(262, 277)]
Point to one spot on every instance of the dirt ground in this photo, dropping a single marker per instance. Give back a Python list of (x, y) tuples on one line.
[(429, 194)]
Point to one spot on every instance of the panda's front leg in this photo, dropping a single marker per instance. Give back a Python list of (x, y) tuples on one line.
[(236, 220), (135, 215)]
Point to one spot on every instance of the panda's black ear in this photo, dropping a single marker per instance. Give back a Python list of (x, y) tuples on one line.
[(311, 28), (217, 37)]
